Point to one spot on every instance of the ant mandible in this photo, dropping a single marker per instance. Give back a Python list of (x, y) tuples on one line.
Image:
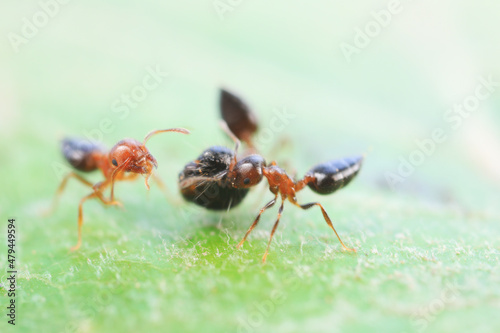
[(125, 161), (218, 180)]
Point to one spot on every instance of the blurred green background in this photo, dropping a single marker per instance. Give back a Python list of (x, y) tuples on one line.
[(428, 245)]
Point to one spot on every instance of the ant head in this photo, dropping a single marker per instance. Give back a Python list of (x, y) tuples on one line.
[(247, 172), (130, 155)]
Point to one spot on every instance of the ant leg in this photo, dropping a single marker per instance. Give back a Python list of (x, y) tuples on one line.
[(98, 188), (233, 137), (274, 229), (268, 205), (97, 193), (327, 219), (113, 175), (61, 188), (80, 220)]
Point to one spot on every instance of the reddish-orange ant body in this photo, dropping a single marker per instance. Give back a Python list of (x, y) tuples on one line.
[(125, 161)]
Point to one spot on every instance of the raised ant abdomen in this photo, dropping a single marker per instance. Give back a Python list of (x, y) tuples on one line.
[(205, 181)]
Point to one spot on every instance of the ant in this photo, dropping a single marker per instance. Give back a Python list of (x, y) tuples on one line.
[(204, 181), (125, 161), (219, 180)]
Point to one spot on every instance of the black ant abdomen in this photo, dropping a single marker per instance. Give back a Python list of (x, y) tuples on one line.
[(210, 165), (333, 175), (80, 153), (204, 181)]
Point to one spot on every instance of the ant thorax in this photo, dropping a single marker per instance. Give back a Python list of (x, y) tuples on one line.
[(279, 181)]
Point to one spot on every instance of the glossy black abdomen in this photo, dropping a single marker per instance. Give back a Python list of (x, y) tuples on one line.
[(204, 181), (78, 152), (333, 175)]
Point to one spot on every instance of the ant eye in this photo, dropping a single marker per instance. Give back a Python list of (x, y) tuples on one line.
[(246, 181), (114, 162)]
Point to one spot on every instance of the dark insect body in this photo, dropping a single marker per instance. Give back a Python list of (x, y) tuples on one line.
[(240, 119), (83, 155), (333, 175), (219, 180), (127, 159), (204, 181)]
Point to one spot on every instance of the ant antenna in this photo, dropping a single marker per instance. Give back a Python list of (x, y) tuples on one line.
[(178, 130), (233, 137)]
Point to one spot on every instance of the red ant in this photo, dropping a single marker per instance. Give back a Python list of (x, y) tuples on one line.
[(125, 161), (218, 180)]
